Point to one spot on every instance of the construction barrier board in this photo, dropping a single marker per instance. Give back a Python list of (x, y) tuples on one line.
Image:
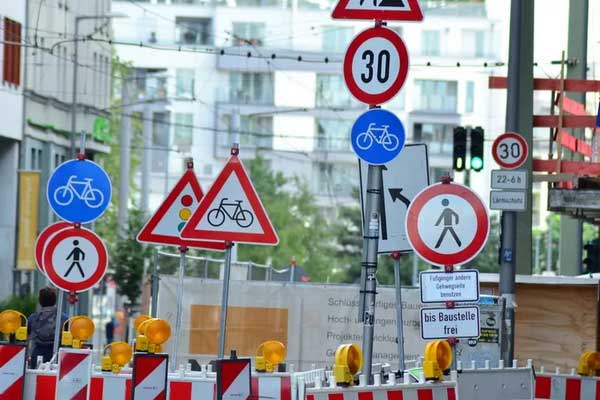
[(12, 371), (74, 374), (149, 377), (233, 379)]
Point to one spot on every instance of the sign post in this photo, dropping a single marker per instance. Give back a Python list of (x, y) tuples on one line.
[(399, 320), (231, 211)]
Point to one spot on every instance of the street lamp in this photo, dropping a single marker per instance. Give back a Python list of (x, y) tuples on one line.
[(76, 65)]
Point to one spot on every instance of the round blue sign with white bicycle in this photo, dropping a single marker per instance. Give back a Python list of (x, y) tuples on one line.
[(377, 136), (79, 191)]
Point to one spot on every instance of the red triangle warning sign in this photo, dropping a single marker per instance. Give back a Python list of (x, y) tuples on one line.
[(388, 10), (231, 211), (166, 224)]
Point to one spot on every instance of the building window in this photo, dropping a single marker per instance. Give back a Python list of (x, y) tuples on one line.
[(11, 71), (248, 33), (332, 91), (432, 95), (398, 29), (437, 137), (254, 131), (473, 43), (251, 88), (430, 43), (193, 31), (335, 179), (184, 131), (333, 135), (160, 141), (397, 102), (184, 83), (187, 1), (469, 95), (336, 38), (316, 4)]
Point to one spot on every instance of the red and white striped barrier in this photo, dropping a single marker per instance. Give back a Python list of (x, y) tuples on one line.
[(110, 387), (410, 391), (74, 374), (12, 371), (566, 387), (149, 378), (272, 387)]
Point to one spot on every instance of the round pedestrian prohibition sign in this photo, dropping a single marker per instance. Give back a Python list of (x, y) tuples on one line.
[(75, 259), (447, 224)]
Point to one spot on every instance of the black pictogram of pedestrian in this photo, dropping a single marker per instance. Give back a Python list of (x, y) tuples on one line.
[(448, 216), (76, 253)]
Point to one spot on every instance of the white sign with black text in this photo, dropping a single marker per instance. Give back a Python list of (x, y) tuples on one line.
[(507, 179), (508, 200), (403, 177), (439, 287), (442, 323)]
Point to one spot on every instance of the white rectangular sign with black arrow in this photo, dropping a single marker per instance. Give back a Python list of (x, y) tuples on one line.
[(403, 177)]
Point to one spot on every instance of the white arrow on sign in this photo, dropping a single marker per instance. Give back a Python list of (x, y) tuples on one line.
[(442, 323), (403, 177)]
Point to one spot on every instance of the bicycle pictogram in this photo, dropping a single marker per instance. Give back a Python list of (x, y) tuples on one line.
[(83, 190), (379, 135), (233, 211)]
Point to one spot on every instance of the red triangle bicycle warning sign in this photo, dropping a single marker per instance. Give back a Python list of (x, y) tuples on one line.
[(170, 218), (231, 211), (389, 10)]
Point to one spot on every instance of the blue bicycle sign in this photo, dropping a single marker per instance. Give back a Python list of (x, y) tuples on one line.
[(79, 191), (377, 136)]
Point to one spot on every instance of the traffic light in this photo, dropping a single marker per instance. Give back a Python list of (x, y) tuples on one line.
[(477, 148), (459, 153), (592, 261)]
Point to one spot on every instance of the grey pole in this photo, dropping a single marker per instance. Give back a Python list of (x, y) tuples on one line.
[(537, 254), (399, 319), (146, 157), (519, 94), (182, 251), (124, 157), (415, 270), (549, 246), (154, 286), (224, 301), (369, 264), (74, 96), (59, 306)]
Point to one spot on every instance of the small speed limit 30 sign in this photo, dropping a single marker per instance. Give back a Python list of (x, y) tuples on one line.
[(375, 65), (510, 150)]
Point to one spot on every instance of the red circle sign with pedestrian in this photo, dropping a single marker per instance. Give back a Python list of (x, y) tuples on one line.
[(510, 150), (43, 237), (447, 224), (375, 65), (75, 259)]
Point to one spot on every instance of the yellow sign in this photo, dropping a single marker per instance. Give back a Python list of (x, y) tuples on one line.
[(29, 189)]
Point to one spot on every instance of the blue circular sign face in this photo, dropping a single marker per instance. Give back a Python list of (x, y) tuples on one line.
[(377, 136), (79, 191)]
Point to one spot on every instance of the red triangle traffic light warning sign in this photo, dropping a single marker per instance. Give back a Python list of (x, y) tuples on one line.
[(387, 10), (170, 218), (231, 211)]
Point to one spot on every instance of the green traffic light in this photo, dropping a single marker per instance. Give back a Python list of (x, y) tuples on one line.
[(476, 163)]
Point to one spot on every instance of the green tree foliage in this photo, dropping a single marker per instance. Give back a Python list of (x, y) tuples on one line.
[(24, 304), (303, 231)]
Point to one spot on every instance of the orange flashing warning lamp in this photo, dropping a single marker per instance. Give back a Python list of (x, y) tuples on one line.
[(348, 361), (268, 355), (152, 334), (438, 357), (11, 323), (81, 328), (589, 364), (119, 355)]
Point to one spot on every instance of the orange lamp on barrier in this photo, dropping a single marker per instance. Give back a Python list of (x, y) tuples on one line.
[(348, 361), (119, 354), (11, 323), (438, 357), (139, 320), (81, 328), (268, 355), (589, 364), (152, 334)]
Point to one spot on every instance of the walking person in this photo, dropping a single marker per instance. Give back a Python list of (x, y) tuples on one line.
[(41, 327)]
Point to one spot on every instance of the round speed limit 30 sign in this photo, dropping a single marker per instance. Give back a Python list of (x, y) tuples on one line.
[(375, 65), (510, 150)]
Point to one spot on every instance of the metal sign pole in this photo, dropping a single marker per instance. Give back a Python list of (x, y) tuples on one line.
[(59, 306), (399, 320), (182, 251), (154, 285), (225, 300)]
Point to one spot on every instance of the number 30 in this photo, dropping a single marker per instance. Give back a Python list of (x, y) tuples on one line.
[(382, 67)]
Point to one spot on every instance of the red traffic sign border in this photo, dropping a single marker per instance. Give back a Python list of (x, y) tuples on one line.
[(414, 14), (63, 284), (40, 242), (519, 139), (432, 256), (398, 43)]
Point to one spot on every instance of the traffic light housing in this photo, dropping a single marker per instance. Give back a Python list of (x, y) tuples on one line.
[(459, 153), (592, 259), (477, 149)]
